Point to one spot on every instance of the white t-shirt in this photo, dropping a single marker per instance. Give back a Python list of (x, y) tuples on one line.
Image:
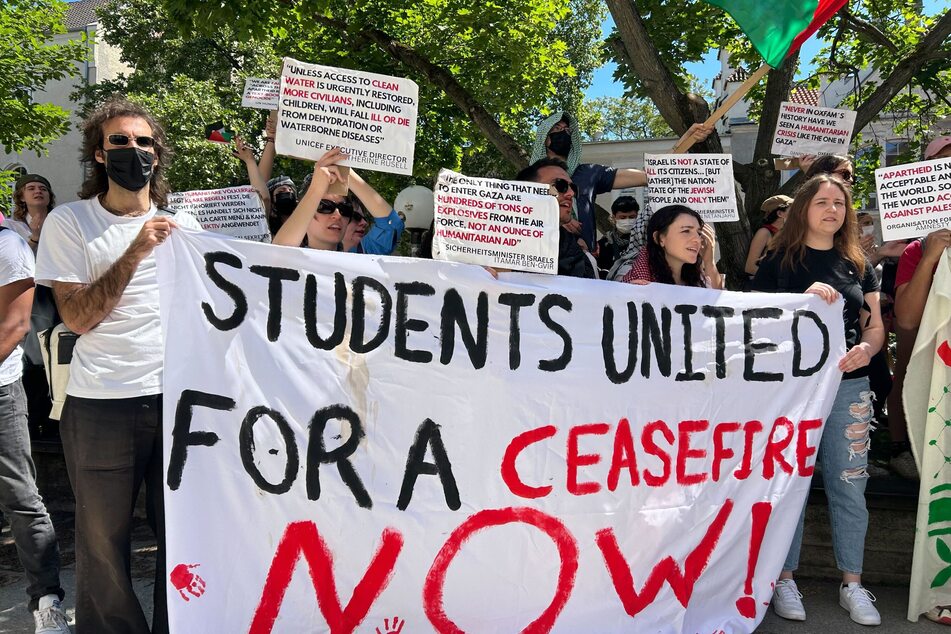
[(22, 228), (122, 356), (16, 263)]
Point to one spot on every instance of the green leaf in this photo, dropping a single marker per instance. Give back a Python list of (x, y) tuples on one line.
[(943, 551), (941, 578)]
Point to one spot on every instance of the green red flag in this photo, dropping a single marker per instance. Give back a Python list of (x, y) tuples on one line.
[(778, 28)]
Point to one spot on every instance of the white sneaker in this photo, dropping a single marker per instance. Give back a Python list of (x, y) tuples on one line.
[(858, 601), (50, 618), (787, 601)]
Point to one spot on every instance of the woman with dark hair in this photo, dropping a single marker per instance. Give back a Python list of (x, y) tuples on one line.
[(320, 219), (679, 251), (831, 164), (33, 199), (818, 252)]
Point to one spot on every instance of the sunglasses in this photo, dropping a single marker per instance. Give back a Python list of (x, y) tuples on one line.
[(329, 206), (845, 175), (561, 186), (124, 139)]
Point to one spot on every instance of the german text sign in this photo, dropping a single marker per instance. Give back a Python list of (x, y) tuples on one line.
[(914, 199), (505, 224), (353, 441), (804, 129), (233, 211), (372, 116), (703, 182), (262, 94)]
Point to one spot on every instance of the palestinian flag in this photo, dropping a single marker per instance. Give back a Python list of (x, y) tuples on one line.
[(218, 133), (777, 28)]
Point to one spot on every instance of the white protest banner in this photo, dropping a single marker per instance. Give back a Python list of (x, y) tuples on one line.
[(372, 116), (505, 224), (914, 199), (927, 402), (262, 94), (703, 182), (804, 129), (233, 211), (351, 440)]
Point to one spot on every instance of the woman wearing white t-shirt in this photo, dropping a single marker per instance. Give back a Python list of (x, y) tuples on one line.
[(33, 198)]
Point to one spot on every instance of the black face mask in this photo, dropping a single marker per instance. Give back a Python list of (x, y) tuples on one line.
[(285, 203), (560, 142), (129, 167)]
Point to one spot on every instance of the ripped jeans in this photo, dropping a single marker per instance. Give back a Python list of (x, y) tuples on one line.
[(843, 453)]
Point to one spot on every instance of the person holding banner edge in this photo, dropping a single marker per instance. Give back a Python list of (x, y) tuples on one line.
[(818, 252), (97, 255)]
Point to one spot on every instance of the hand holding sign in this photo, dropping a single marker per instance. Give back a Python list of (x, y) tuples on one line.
[(326, 169)]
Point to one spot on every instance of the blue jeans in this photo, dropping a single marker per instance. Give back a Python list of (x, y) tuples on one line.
[(20, 500), (843, 453)]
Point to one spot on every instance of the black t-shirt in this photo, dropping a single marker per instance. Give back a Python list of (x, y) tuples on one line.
[(830, 268)]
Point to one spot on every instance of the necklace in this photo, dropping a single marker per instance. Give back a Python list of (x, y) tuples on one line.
[(115, 212)]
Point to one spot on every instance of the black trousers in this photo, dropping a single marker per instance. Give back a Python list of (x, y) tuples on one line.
[(111, 446)]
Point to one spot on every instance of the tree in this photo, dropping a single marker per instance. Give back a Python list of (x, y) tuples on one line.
[(654, 39), (28, 60), (621, 119)]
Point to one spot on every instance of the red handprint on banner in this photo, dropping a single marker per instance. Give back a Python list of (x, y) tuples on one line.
[(396, 629), (186, 581)]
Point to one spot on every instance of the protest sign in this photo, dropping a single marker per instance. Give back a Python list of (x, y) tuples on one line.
[(505, 224), (233, 211), (703, 182), (804, 129), (262, 94), (914, 199), (351, 440), (372, 116)]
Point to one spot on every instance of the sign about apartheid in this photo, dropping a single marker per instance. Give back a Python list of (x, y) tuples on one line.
[(353, 442), (803, 129), (914, 199), (504, 224), (262, 94), (233, 211), (703, 182), (373, 117)]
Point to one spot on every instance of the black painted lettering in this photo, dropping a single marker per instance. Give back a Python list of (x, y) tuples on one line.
[(657, 337), (317, 453), (358, 318), (797, 370), (687, 374), (404, 290), (246, 448), (607, 344), (751, 348), (310, 313), (454, 316), (182, 435), (428, 435), (275, 276), (544, 313), (232, 290), (719, 314), (515, 302)]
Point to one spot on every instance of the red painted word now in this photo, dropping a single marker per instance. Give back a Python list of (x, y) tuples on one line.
[(690, 452), (302, 539)]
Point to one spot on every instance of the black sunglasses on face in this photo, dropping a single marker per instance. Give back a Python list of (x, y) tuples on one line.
[(329, 206), (561, 186), (123, 140), (847, 176)]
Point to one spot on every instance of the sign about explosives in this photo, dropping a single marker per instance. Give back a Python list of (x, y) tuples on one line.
[(914, 199), (703, 182), (233, 211), (804, 129), (373, 117), (262, 94), (504, 224), (358, 444)]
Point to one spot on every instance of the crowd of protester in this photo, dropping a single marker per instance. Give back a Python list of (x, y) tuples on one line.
[(94, 257)]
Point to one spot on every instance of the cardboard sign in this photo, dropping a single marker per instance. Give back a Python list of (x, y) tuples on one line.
[(914, 199), (505, 224), (262, 94), (353, 441), (703, 182), (372, 116), (804, 129), (233, 211)]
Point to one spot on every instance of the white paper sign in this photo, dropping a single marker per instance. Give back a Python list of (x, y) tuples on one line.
[(703, 182), (505, 224), (391, 440), (914, 199), (233, 211), (804, 129), (262, 94), (372, 116)]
